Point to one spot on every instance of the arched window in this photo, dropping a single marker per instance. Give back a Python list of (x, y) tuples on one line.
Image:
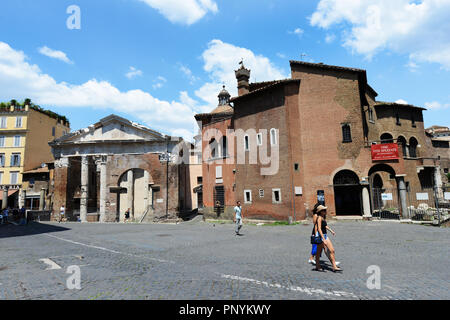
[(401, 141), (246, 143), (386, 138), (224, 147), (370, 114), (346, 133), (413, 147), (273, 137)]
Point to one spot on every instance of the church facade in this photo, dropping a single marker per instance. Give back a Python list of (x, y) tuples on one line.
[(320, 135)]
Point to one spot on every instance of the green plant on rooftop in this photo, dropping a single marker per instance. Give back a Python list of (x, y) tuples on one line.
[(28, 102)]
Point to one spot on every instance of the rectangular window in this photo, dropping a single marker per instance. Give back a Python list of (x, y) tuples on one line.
[(371, 114), (346, 133), (2, 141), (3, 122), (218, 172), (1, 177), (53, 131), (15, 160), (16, 141), (413, 121), (18, 122), (259, 139), (248, 196), (14, 177), (276, 195), (397, 119), (199, 180), (2, 159), (246, 143), (296, 167), (261, 193)]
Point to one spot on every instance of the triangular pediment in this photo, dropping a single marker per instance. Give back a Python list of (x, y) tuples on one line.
[(113, 128)]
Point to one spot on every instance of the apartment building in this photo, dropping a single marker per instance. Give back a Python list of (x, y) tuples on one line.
[(25, 130)]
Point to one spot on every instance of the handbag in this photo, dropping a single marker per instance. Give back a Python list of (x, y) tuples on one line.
[(315, 239)]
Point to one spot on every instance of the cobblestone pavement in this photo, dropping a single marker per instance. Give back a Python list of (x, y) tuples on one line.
[(207, 261)]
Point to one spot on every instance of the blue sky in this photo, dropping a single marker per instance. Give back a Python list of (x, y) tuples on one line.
[(158, 62)]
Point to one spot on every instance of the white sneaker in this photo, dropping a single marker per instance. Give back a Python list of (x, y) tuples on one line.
[(312, 262), (337, 263)]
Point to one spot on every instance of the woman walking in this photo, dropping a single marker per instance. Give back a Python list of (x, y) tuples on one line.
[(312, 258), (321, 228)]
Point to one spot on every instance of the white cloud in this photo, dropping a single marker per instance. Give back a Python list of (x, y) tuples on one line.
[(133, 73), (281, 55), (221, 60), (419, 29), (436, 105), (55, 54), (299, 32), (160, 81), (401, 101), (188, 73), (183, 11), (18, 78), (330, 38)]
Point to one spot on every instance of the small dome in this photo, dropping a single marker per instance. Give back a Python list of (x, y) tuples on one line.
[(224, 97)]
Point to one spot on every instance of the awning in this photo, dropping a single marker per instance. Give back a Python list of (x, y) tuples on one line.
[(10, 193), (198, 189)]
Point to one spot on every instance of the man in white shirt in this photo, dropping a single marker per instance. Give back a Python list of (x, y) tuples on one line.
[(238, 217)]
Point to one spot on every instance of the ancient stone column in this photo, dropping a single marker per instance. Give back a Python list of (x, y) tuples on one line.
[(402, 193), (438, 182), (5, 198), (42, 200), (366, 201), (130, 192), (146, 189), (84, 188), (103, 189)]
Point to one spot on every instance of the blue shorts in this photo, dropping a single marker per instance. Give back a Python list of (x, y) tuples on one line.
[(314, 246)]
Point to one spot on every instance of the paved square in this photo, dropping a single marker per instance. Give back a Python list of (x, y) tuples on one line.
[(202, 260)]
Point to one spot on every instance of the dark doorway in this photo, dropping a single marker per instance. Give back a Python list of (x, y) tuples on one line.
[(347, 193), (200, 200), (219, 198)]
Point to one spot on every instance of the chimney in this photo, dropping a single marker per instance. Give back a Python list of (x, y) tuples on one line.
[(242, 76)]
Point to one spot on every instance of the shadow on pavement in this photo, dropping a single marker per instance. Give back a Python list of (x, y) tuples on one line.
[(32, 228)]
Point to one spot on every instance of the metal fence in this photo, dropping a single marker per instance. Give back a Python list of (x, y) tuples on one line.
[(423, 204)]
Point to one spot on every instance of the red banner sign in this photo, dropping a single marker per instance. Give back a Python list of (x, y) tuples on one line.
[(386, 151)]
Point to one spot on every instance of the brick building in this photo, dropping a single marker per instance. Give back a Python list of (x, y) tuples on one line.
[(440, 140), (113, 165), (311, 137), (25, 130)]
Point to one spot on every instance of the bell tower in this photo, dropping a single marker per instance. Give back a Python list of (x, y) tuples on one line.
[(243, 77)]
